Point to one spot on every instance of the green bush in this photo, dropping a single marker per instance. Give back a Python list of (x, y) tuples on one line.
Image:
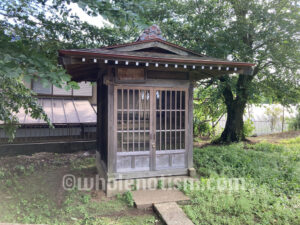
[(201, 128), (248, 128)]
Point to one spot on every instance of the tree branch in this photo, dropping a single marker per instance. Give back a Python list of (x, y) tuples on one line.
[(215, 124)]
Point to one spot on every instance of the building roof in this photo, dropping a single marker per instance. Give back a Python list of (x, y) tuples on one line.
[(146, 56), (150, 48), (62, 111)]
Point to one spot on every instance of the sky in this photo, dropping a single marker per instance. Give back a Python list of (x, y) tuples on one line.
[(98, 21)]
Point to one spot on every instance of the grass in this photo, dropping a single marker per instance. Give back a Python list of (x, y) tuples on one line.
[(271, 190), (270, 194), (295, 140), (31, 193)]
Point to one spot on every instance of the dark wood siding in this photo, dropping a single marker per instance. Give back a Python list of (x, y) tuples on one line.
[(102, 115), (152, 74)]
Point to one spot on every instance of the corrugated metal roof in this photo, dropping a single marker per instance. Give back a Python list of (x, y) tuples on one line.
[(62, 111)]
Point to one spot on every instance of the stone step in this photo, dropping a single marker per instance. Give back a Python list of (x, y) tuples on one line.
[(172, 214), (147, 198)]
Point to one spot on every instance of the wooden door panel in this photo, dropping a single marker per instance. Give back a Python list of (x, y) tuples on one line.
[(133, 127), (132, 163), (170, 128)]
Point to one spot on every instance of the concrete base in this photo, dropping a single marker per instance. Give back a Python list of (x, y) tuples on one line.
[(192, 172), (113, 186)]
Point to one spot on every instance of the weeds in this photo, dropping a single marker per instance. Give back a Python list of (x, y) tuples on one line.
[(33, 199), (291, 141), (127, 197), (86, 198), (159, 184), (83, 163), (257, 204), (271, 194), (263, 162), (134, 186)]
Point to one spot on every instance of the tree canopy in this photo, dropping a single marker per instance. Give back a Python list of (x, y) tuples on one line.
[(32, 31), (263, 32)]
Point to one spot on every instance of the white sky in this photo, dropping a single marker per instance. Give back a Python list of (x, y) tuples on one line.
[(98, 21)]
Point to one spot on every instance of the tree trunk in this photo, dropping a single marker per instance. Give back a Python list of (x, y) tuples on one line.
[(233, 131)]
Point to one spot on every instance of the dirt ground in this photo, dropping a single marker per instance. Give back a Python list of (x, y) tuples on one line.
[(275, 138), (271, 138), (40, 176)]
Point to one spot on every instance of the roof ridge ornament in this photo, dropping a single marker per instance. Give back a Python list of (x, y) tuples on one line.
[(152, 32)]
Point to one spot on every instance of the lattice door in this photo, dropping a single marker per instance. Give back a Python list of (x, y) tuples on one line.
[(170, 128), (150, 128)]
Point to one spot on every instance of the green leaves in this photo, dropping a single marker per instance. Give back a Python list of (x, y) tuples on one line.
[(263, 32), (14, 96), (32, 32), (266, 33), (208, 107)]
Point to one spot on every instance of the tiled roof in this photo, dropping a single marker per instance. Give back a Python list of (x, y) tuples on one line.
[(150, 47), (150, 56)]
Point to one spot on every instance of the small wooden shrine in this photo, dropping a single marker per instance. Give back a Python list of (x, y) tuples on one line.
[(145, 102)]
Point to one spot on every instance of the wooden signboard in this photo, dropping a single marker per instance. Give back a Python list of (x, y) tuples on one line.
[(130, 74)]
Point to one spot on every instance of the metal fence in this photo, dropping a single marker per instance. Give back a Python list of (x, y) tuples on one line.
[(37, 133), (264, 127)]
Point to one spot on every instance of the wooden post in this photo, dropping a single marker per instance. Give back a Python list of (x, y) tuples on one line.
[(111, 124), (100, 116), (190, 127)]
